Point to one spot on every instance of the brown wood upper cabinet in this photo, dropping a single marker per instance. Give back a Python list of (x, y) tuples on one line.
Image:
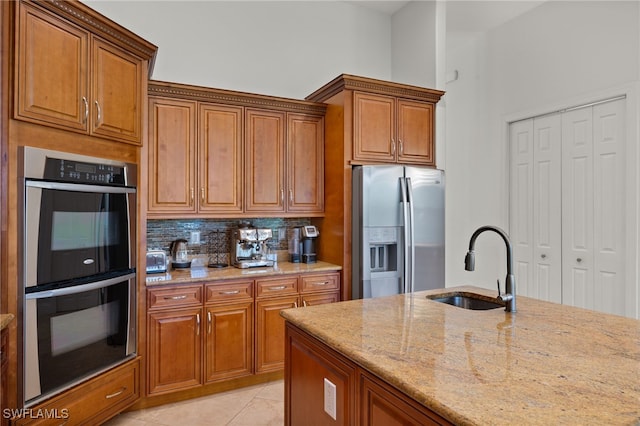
[(384, 122), (194, 169), (235, 154), (388, 129), (65, 74)]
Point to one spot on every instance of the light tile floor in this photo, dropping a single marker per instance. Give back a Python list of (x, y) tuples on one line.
[(259, 405)]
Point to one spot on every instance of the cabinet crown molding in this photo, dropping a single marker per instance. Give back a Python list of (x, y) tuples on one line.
[(353, 82), (231, 97), (99, 24)]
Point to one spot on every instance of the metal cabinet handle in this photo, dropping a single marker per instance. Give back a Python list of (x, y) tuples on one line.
[(229, 292), (291, 195), (116, 393), (321, 283), (393, 147), (304, 303), (282, 195), (400, 147), (295, 304), (280, 287), (209, 322), (99, 111), (184, 296), (86, 109), (192, 196), (197, 324), (202, 195)]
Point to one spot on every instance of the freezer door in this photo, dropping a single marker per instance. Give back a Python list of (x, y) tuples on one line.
[(381, 196), (427, 190)]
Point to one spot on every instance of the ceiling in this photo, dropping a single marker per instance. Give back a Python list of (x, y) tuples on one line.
[(465, 15)]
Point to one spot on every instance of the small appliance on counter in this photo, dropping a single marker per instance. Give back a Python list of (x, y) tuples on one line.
[(309, 234), (156, 261), (249, 247), (179, 259)]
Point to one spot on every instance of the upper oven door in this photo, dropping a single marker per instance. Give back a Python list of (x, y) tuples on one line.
[(77, 230)]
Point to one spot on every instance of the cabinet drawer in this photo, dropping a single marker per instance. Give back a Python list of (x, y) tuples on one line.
[(229, 291), (277, 287), (323, 282), (92, 402), (158, 298)]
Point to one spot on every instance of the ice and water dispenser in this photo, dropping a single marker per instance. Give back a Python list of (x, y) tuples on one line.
[(382, 262)]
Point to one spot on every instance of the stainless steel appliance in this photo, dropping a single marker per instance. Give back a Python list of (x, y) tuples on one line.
[(398, 230), (78, 219), (309, 235), (249, 247), (156, 261)]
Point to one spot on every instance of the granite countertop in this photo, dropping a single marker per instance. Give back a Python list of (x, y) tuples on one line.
[(204, 273), (545, 364)]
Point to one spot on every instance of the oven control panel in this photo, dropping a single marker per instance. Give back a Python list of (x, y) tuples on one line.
[(82, 172)]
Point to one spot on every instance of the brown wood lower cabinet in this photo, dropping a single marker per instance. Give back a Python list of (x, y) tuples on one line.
[(199, 334), (315, 372), (92, 402)]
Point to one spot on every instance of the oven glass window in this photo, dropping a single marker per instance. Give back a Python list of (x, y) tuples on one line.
[(82, 230)]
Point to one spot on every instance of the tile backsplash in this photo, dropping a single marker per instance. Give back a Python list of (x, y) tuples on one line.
[(215, 234)]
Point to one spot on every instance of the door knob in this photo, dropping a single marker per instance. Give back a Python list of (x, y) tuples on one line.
[(544, 256), (579, 260)]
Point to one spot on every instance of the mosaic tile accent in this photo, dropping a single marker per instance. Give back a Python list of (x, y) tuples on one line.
[(215, 234)]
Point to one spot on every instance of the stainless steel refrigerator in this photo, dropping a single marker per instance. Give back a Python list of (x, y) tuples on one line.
[(398, 230)]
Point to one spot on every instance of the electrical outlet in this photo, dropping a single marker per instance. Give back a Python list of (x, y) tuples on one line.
[(330, 398), (195, 237)]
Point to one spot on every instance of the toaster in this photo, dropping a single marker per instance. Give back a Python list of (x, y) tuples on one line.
[(156, 261)]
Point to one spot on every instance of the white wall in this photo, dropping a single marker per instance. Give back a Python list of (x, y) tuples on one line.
[(280, 48), (555, 52)]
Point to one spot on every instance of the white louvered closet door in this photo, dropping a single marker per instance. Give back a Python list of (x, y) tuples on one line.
[(567, 206), (535, 207)]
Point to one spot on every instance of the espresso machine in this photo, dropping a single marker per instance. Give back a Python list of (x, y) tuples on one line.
[(249, 247), (309, 234)]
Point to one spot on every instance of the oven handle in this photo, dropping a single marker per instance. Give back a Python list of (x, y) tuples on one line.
[(79, 187), (79, 288)]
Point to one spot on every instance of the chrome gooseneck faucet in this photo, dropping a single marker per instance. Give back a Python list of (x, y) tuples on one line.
[(509, 297)]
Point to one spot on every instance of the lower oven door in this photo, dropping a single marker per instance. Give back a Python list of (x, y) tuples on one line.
[(76, 332)]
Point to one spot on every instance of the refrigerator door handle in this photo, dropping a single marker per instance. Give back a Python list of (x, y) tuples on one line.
[(408, 283), (411, 246)]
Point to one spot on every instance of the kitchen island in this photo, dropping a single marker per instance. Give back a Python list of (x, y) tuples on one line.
[(545, 364)]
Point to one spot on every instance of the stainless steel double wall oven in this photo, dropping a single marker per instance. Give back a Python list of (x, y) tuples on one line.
[(78, 264)]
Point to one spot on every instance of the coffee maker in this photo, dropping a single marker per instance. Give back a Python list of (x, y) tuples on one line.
[(249, 247), (309, 234)]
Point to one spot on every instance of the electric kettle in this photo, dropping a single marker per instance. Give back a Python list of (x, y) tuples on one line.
[(178, 250)]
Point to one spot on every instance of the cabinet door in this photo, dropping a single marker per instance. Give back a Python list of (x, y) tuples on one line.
[(171, 156), (309, 367), (228, 341), (374, 128), (264, 161), (220, 157), (270, 332), (52, 75), (415, 133), (174, 350), (305, 160), (117, 93), (382, 405)]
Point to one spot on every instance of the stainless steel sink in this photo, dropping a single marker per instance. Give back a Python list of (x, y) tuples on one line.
[(465, 300)]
